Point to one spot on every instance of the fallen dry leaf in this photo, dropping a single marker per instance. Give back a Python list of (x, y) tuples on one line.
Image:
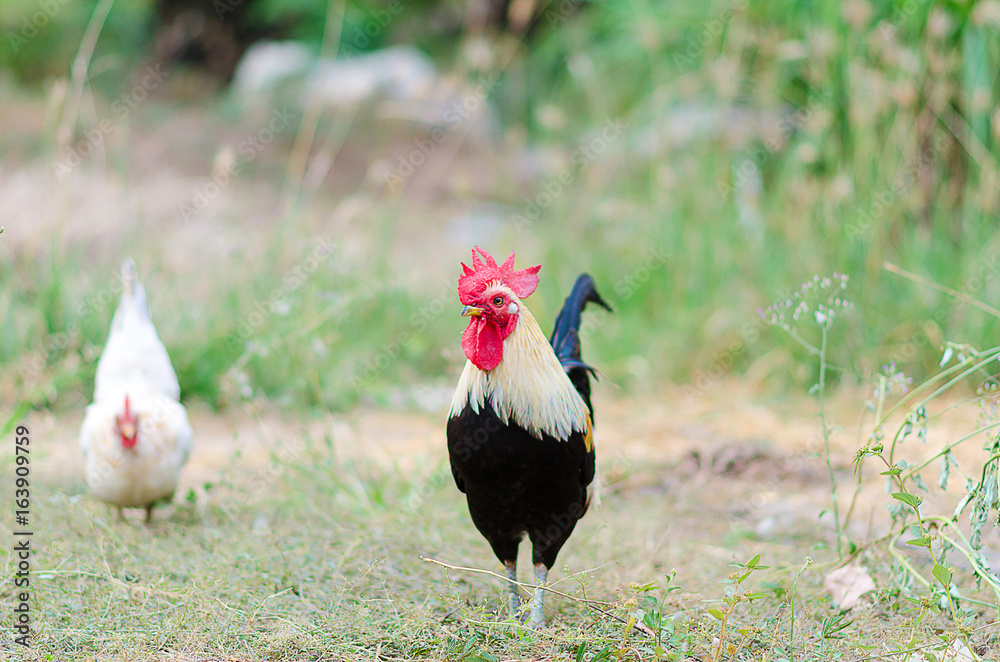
[(846, 585), (958, 652)]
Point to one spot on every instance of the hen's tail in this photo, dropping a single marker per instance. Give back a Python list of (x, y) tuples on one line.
[(133, 357), (566, 335), (134, 295)]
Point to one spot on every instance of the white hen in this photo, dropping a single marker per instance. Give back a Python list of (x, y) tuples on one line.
[(136, 436)]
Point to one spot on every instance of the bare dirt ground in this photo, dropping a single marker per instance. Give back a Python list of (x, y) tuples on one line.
[(752, 457)]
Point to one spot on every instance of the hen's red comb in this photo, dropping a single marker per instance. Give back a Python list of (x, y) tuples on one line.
[(474, 280)]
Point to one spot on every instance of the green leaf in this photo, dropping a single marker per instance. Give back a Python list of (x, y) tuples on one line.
[(894, 471), (604, 654), (716, 613), (920, 542), (906, 498), (752, 563), (945, 471), (628, 626), (965, 500), (942, 574)]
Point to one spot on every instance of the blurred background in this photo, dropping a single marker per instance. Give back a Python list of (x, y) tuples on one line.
[(298, 181)]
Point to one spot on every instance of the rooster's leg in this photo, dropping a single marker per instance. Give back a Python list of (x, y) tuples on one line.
[(149, 514), (538, 605), (515, 596), (121, 514)]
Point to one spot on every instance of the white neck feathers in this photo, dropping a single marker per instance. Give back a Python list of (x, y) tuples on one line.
[(529, 388)]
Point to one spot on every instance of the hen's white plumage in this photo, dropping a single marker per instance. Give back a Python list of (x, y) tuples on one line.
[(134, 353), (148, 472), (134, 452)]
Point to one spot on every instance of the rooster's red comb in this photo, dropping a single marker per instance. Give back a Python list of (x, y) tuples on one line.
[(472, 282)]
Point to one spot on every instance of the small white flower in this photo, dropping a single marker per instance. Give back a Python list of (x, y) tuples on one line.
[(820, 317)]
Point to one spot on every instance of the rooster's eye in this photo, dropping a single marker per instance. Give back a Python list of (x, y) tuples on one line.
[(497, 301)]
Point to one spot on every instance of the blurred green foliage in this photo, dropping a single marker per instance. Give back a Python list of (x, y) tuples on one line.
[(40, 37), (765, 143)]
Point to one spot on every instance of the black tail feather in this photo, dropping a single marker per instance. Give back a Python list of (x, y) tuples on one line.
[(566, 334)]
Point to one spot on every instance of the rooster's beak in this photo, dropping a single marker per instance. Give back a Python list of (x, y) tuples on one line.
[(471, 311)]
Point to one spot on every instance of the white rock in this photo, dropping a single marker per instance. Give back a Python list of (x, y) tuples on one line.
[(401, 72), (266, 64)]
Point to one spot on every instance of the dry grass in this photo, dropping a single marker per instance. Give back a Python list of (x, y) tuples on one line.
[(302, 540)]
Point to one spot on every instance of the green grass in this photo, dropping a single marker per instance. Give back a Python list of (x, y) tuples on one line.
[(310, 557)]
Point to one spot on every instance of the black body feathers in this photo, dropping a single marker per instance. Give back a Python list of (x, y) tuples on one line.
[(566, 335)]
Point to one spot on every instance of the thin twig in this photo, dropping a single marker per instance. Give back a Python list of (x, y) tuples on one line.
[(888, 266), (879, 656), (527, 628), (525, 585), (592, 604)]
